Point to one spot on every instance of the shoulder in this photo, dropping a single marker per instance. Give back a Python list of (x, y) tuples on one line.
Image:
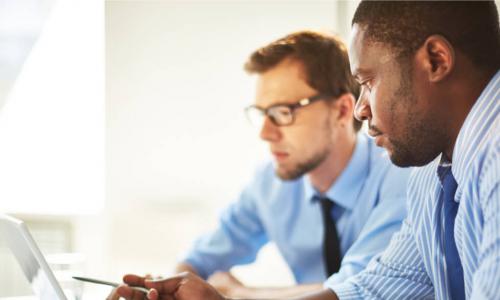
[(264, 175), (265, 184), (264, 169)]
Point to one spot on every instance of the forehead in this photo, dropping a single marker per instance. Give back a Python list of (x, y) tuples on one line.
[(366, 55), (284, 83)]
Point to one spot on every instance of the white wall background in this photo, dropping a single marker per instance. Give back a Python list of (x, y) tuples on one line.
[(51, 125)]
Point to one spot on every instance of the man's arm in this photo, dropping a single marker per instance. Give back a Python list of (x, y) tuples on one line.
[(280, 292), (230, 286), (237, 238)]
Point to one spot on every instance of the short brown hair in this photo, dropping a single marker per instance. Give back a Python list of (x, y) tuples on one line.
[(324, 57)]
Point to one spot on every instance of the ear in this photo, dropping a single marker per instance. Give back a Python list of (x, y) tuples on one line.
[(437, 57), (344, 105)]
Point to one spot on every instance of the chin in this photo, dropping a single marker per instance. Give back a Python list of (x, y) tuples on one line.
[(283, 176), (292, 171), (286, 174), (406, 159), (402, 163)]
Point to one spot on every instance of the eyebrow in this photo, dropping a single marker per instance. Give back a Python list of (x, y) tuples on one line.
[(281, 102), (359, 72), (298, 101)]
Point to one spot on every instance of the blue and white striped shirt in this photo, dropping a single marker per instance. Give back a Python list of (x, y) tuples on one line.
[(413, 266)]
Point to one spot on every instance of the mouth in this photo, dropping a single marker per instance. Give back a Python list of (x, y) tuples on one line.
[(373, 131), (280, 156), (378, 140), (376, 134)]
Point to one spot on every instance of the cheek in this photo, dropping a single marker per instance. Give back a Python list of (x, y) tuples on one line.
[(300, 136), (305, 137), (382, 108), (377, 106)]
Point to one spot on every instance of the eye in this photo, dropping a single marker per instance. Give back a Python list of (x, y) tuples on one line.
[(283, 110), (366, 84)]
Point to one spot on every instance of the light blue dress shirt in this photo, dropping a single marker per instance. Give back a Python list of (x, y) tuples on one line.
[(413, 266), (369, 199)]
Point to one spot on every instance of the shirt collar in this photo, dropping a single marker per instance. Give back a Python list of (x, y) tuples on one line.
[(345, 189), (443, 167), (477, 127)]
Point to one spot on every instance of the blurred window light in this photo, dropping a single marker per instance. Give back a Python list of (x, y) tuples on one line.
[(52, 123), (20, 25)]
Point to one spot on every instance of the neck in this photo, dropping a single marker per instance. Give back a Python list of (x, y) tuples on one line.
[(325, 175), (463, 100)]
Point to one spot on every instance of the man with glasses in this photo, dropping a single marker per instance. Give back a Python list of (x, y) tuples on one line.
[(330, 199)]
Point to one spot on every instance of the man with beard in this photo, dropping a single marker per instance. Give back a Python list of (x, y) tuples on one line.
[(330, 200), (431, 94)]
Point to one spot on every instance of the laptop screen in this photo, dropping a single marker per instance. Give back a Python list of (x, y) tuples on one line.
[(20, 242)]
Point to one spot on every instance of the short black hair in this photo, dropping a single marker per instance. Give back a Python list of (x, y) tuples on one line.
[(323, 55), (470, 26)]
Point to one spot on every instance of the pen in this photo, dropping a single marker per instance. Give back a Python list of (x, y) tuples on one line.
[(113, 284)]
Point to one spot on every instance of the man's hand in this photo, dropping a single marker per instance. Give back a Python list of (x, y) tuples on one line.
[(227, 284), (184, 286), (114, 293)]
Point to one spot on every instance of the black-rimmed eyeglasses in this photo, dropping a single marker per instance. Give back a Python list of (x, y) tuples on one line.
[(279, 114)]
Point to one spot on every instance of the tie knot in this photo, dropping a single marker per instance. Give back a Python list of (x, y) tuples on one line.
[(326, 204), (447, 180)]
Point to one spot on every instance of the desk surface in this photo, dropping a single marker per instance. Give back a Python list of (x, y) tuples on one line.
[(91, 292)]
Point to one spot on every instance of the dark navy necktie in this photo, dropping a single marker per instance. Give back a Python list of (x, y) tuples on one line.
[(450, 208), (331, 244)]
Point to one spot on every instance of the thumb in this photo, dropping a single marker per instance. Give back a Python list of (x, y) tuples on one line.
[(153, 294), (133, 280), (164, 285)]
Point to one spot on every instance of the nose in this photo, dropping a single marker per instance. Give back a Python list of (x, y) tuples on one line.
[(269, 131), (362, 110)]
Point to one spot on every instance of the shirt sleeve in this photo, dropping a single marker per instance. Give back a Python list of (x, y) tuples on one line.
[(237, 238), (384, 220), (396, 273), (486, 280)]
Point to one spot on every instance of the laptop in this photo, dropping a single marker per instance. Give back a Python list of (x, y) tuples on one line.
[(30, 258)]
